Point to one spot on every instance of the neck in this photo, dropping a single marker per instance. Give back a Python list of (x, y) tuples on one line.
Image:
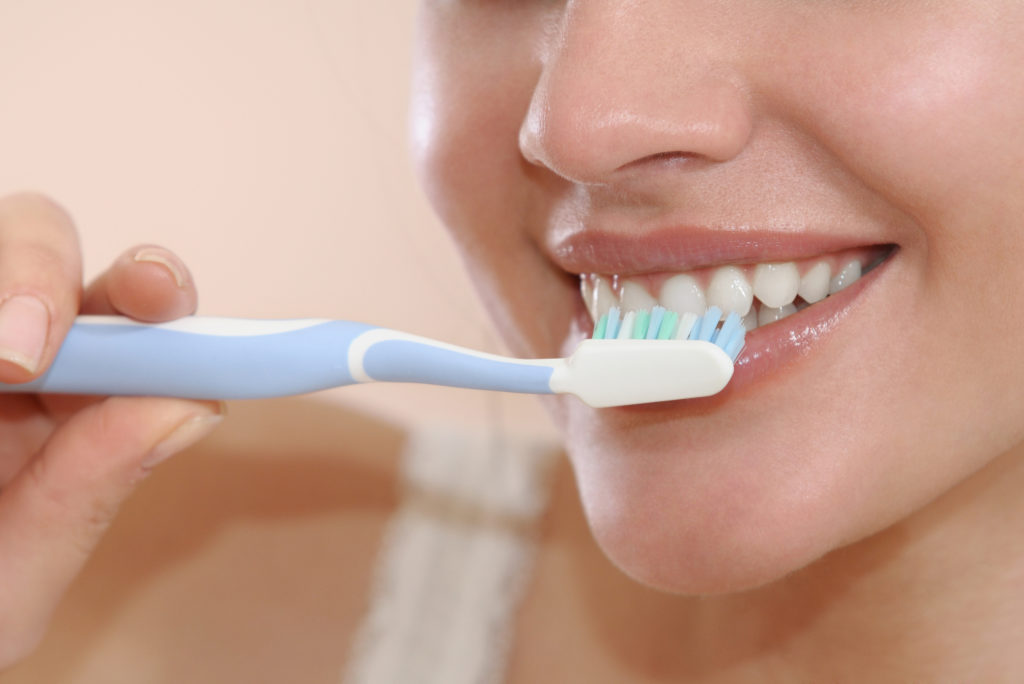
[(936, 597)]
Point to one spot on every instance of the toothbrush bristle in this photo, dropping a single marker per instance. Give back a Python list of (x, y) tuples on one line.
[(611, 331), (669, 325), (628, 323), (660, 323), (705, 328), (686, 323), (654, 323), (643, 322)]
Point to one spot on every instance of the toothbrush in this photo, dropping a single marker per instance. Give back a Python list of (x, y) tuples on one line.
[(227, 358)]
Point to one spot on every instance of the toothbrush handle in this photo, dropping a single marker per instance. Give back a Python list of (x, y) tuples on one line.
[(199, 358), (222, 358), (391, 356)]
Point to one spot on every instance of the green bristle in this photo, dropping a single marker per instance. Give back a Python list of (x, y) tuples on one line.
[(599, 329), (643, 319), (668, 325)]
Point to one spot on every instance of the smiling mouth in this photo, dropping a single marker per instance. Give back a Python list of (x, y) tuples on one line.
[(761, 293)]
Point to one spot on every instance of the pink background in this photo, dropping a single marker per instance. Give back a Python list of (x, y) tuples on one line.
[(265, 143)]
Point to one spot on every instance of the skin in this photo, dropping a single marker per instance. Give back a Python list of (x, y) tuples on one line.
[(864, 492)]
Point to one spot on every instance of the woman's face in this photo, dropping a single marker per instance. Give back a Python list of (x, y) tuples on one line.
[(627, 143)]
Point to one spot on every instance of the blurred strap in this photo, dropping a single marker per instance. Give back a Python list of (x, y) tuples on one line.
[(456, 560)]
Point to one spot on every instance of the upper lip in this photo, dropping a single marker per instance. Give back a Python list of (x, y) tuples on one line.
[(685, 247)]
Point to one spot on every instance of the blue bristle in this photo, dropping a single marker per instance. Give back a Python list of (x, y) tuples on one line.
[(729, 327), (735, 345), (611, 330), (705, 328), (731, 335), (657, 314)]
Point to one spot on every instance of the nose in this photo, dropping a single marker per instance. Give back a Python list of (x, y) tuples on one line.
[(625, 83)]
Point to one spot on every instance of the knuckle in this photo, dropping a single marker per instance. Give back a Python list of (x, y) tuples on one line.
[(36, 205), (42, 257), (30, 217), (80, 508), (81, 523), (39, 250)]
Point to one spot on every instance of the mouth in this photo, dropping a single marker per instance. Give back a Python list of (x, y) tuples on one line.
[(760, 293), (787, 304)]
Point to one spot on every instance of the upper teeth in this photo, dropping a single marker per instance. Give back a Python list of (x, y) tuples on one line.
[(683, 294), (760, 293), (730, 290)]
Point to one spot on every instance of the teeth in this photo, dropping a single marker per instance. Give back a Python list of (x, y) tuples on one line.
[(767, 314), (730, 291), (779, 288), (846, 277), (682, 294), (750, 320), (635, 297), (814, 284), (587, 291), (601, 297), (776, 285)]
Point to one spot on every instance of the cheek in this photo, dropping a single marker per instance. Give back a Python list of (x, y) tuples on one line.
[(947, 146), (474, 76), (476, 183), (934, 128), (466, 119), (929, 117)]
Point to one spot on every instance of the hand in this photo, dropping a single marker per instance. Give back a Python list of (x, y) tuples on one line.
[(67, 463)]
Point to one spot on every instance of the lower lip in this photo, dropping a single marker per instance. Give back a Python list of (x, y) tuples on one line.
[(779, 344)]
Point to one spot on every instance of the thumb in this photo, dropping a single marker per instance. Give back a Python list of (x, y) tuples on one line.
[(55, 510)]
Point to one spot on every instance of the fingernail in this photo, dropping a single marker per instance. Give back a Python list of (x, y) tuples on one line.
[(158, 256), (24, 325), (182, 437)]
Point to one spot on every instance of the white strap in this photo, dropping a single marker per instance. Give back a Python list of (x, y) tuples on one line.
[(455, 562)]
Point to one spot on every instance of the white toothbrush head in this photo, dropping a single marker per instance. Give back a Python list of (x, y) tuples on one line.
[(652, 356)]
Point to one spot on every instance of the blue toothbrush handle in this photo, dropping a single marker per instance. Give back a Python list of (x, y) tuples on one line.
[(222, 358)]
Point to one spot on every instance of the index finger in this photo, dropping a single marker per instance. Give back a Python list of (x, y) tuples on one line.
[(40, 283)]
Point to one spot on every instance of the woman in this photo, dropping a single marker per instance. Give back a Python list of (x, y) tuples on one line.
[(851, 498), (849, 504)]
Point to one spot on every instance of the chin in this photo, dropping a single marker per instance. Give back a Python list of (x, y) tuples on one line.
[(700, 540), (725, 495)]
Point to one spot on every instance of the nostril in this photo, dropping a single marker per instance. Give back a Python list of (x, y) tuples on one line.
[(659, 159)]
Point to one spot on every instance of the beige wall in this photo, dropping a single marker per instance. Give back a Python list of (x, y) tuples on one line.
[(265, 142)]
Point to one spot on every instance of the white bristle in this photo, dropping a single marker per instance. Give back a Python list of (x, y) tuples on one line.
[(686, 323)]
